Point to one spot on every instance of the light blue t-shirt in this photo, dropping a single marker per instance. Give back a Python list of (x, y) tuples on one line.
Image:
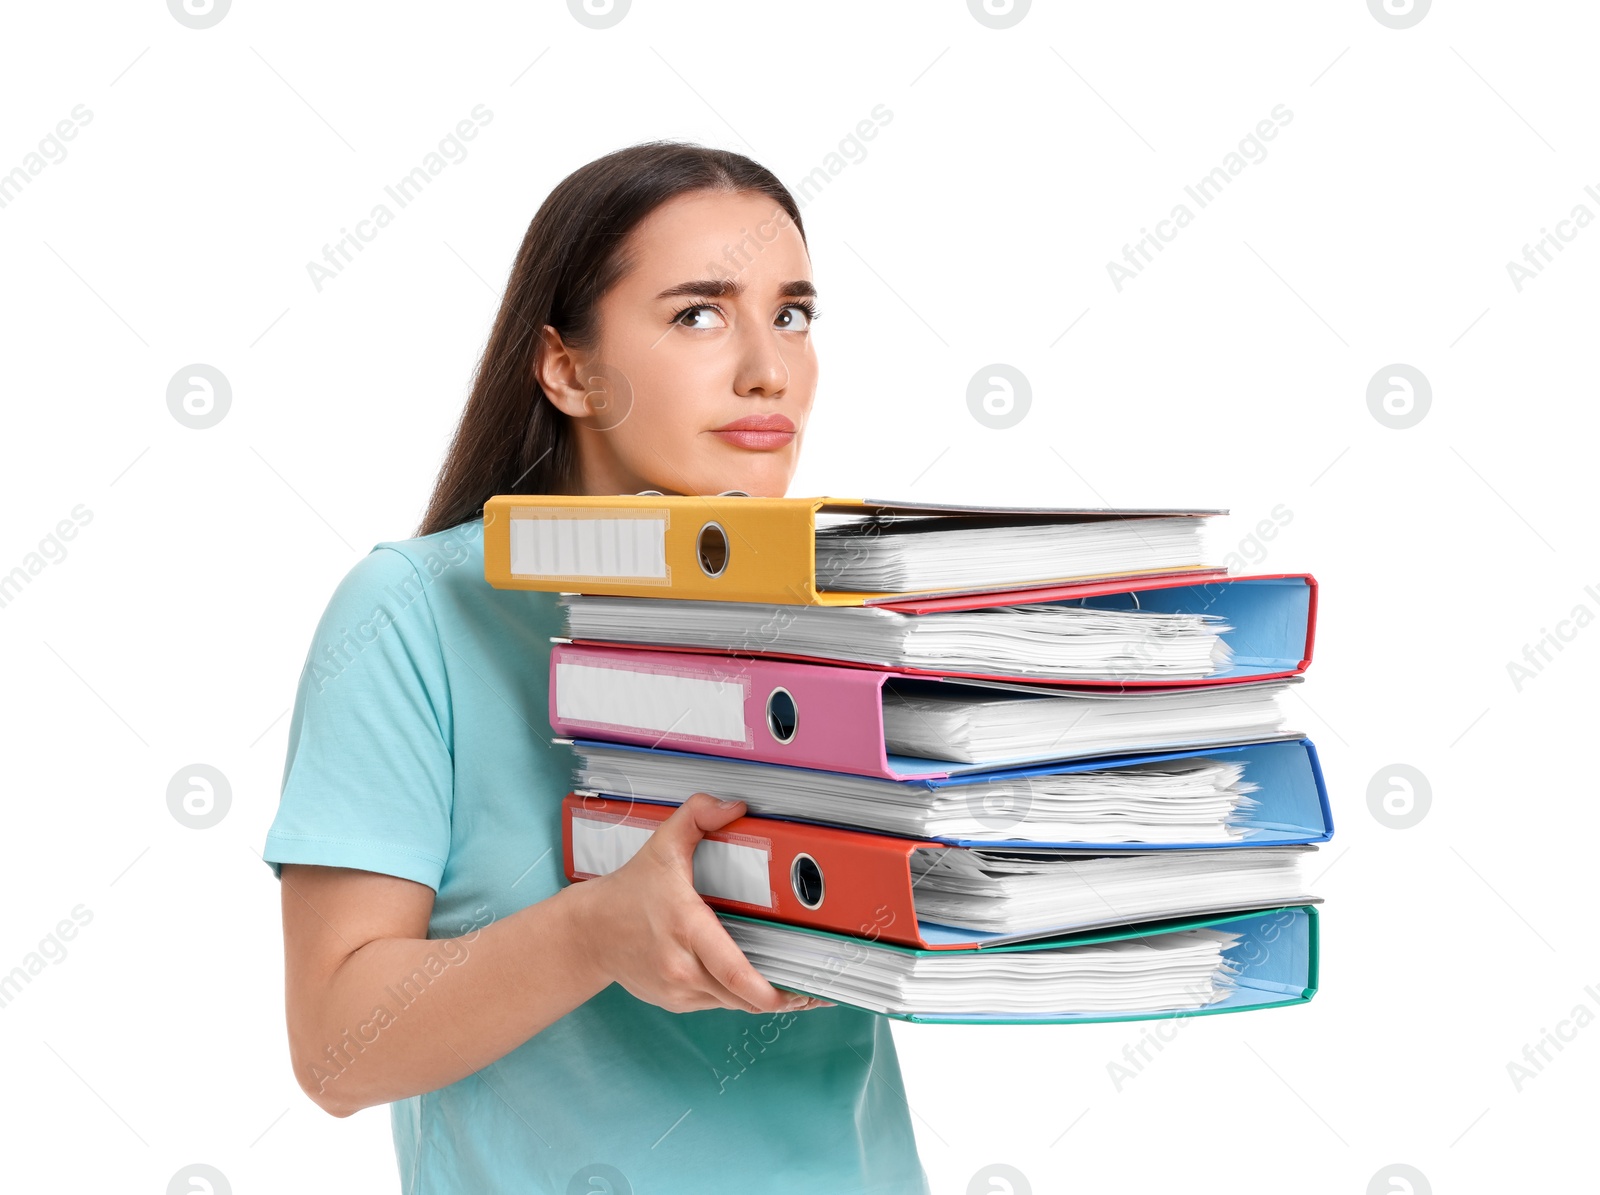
[(420, 747)]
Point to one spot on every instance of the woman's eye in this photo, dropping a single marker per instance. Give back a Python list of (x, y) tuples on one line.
[(794, 318), (700, 317)]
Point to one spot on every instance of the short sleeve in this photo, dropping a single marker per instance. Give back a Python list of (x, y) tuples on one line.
[(368, 781)]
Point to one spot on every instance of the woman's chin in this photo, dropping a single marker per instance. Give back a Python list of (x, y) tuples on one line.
[(746, 486), (761, 475)]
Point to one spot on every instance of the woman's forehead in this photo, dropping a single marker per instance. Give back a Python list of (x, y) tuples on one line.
[(717, 234)]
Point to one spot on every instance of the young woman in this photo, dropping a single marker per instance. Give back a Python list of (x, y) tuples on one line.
[(531, 1035)]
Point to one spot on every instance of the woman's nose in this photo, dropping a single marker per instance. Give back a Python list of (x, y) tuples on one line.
[(762, 371)]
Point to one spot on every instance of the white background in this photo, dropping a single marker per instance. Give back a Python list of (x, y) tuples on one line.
[(977, 229)]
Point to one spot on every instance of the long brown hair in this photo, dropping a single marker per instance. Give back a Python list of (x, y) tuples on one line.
[(510, 440)]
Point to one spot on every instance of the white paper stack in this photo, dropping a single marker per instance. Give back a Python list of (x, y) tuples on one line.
[(865, 554), (919, 721), (1008, 893), (1050, 640), (1184, 969), (1179, 800)]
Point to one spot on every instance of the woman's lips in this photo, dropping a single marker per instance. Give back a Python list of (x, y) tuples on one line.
[(765, 441), (762, 433)]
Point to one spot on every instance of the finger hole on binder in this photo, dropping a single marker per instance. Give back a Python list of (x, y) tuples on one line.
[(783, 716), (805, 877), (711, 549)]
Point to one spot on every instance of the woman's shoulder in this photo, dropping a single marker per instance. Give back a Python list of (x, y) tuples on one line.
[(457, 549), (396, 572), (446, 569), (434, 585)]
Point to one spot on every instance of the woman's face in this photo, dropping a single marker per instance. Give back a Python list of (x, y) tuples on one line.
[(707, 332)]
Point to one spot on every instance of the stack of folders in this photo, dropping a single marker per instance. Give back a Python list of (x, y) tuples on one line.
[(1000, 764)]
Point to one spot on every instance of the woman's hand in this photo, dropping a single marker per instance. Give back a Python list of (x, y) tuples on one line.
[(653, 934)]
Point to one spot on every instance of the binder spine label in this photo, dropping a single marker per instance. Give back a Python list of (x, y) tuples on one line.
[(589, 543), (733, 867), (640, 699)]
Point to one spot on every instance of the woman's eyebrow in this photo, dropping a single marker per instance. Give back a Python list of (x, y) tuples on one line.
[(732, 288)]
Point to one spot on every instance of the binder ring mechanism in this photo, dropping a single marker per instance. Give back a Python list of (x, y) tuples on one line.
[(805, 877), (1131, 595)]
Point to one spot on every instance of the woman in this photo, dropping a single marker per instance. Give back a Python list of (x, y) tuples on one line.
[(530, 1035)]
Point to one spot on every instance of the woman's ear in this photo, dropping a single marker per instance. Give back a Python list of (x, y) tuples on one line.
[(557, 370), (592, 393)]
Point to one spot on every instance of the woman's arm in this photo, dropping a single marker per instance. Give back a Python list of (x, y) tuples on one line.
[(377, 1011)]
